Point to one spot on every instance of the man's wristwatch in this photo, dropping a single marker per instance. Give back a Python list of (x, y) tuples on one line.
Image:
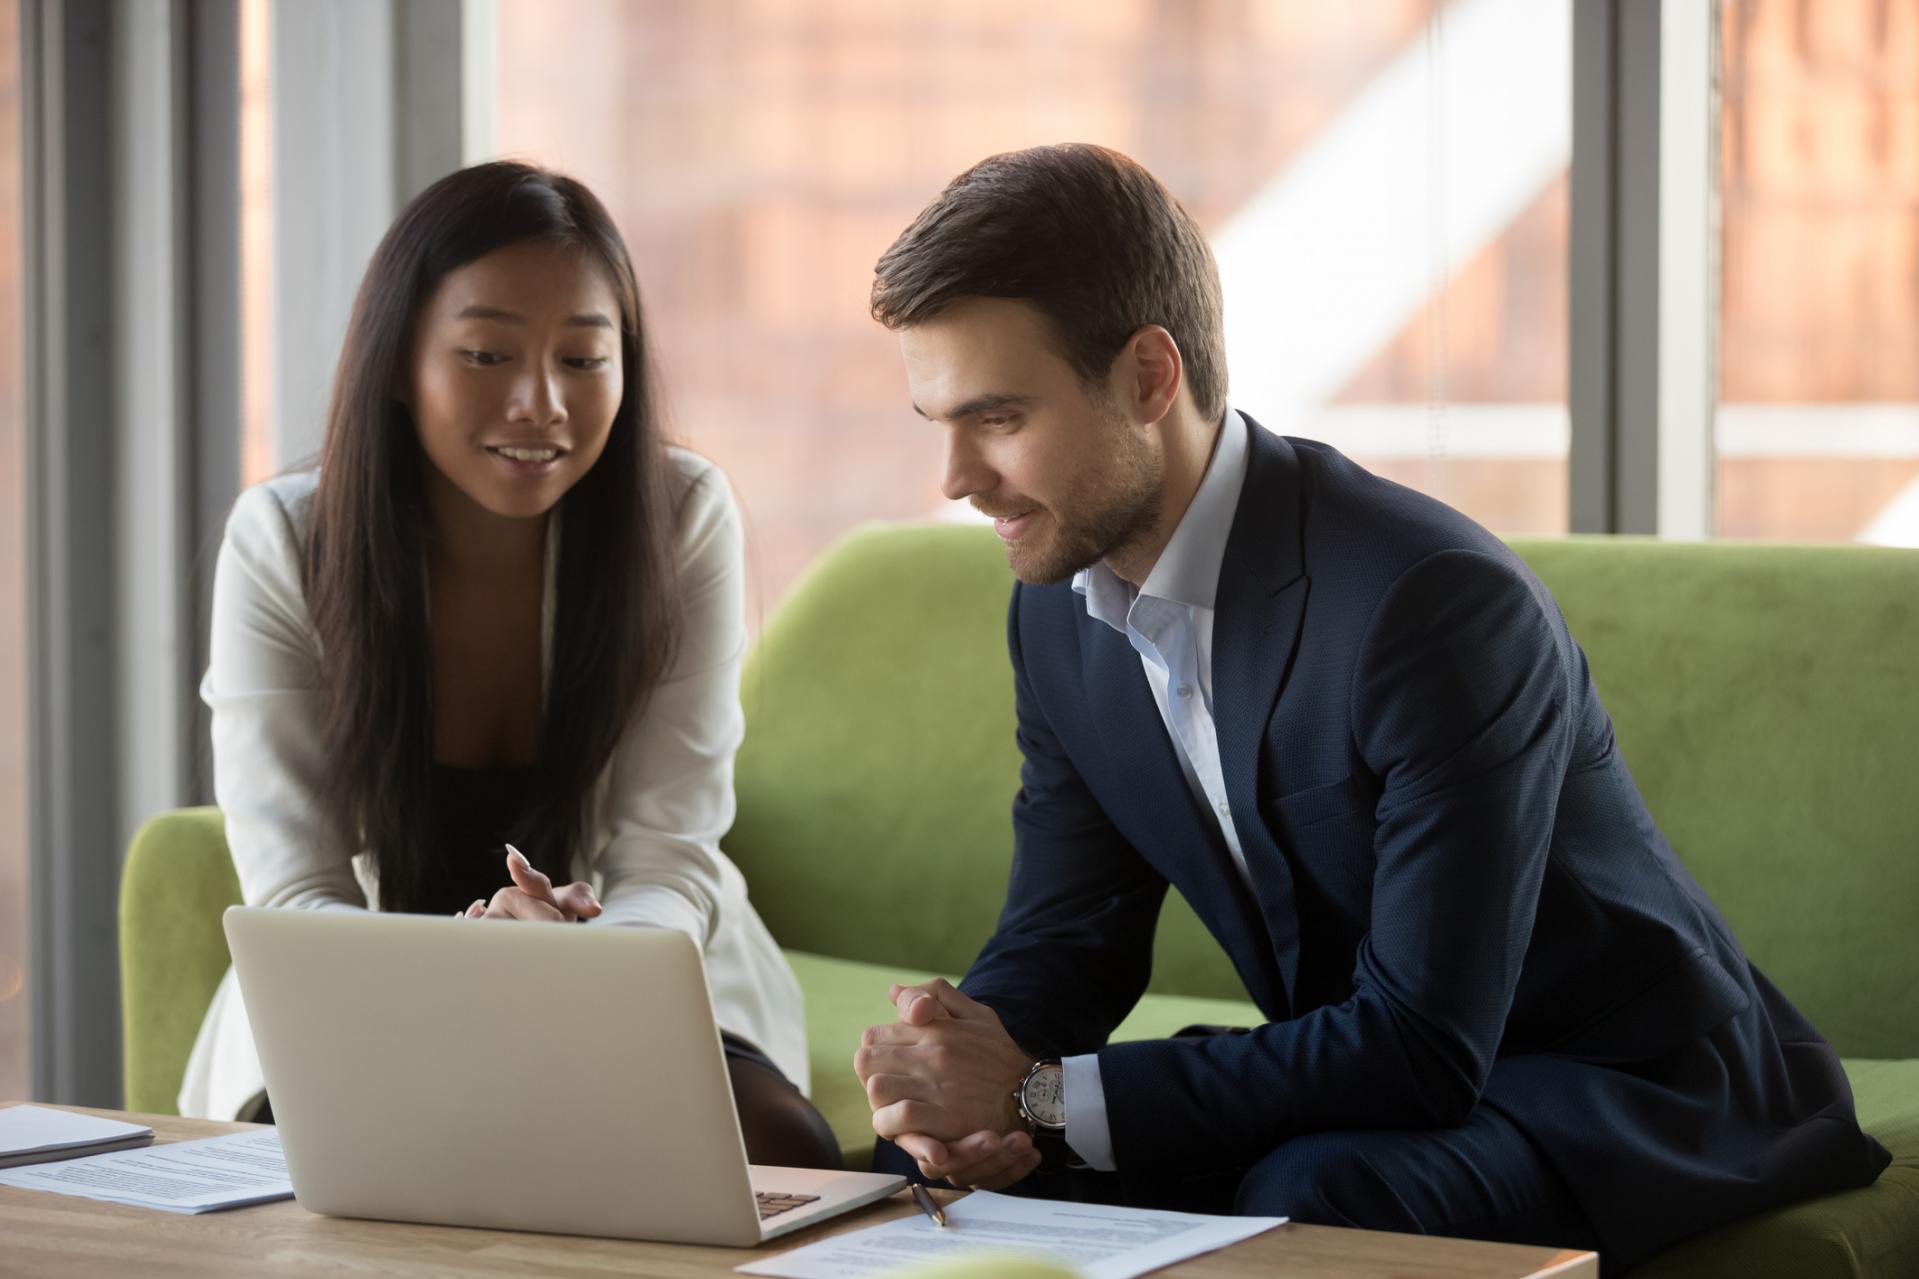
[(1041, 1096), (1041, 1101), (1042, 1107)]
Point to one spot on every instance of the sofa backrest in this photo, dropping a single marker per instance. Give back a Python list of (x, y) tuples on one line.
[(176, 883), (1765, 697)]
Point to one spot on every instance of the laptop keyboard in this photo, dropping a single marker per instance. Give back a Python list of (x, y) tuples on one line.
[(772, 1205)]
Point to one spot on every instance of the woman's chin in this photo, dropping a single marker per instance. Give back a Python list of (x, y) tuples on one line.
[(517, 499)]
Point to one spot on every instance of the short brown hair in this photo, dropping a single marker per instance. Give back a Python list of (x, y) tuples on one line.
[(1084, 234)]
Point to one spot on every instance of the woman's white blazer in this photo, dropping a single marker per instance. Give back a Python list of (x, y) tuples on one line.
[(659, 809)]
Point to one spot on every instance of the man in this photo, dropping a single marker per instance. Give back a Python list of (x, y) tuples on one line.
[(1350, 727)]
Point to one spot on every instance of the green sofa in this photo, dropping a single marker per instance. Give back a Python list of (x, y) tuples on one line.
[(1766, 697)]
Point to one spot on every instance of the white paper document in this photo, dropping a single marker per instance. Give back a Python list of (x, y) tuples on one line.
[(32, 1134), (1097, 1241), (181, 1176)]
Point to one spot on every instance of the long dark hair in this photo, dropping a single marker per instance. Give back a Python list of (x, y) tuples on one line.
[(616, 617)]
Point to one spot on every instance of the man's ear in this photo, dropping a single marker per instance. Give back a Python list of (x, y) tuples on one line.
[(1153, 372)]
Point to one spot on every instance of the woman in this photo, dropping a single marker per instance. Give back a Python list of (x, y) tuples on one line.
[(502, 611)]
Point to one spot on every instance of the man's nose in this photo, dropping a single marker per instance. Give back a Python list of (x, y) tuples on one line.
[(966, 472)]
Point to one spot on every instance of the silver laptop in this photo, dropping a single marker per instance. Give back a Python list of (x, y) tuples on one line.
[(512, 1076)]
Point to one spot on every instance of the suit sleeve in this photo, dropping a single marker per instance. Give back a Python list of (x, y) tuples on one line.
[(1460, 706), (1074, 946)]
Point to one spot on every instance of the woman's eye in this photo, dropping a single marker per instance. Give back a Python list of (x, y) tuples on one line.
[(588, 362), (485, 359)]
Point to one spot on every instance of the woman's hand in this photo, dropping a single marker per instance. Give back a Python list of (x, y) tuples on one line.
[(532, 896)]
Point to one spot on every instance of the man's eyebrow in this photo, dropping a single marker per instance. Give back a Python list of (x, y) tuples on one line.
[(586, 319), (983, 404)]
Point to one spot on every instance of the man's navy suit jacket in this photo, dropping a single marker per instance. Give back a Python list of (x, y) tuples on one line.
[(1458, 897)]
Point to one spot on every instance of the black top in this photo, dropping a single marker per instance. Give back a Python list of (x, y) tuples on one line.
[(478, 811)]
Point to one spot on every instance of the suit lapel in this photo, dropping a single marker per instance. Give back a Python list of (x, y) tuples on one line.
[(1259, 606), (1128, 727)]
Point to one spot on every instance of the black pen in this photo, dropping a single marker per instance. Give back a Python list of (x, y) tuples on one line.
[(927, 1205)]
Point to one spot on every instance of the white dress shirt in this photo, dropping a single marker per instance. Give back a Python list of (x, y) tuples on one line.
[(658, 810), (1169, 622)]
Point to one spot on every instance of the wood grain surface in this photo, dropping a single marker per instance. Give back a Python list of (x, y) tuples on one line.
[(47, 1234)]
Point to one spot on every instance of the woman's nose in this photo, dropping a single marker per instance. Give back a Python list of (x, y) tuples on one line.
[(538, 399)]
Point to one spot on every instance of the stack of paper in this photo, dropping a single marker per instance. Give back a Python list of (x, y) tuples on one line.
[(35, 1134), (233, 1171), (1095, 1241)]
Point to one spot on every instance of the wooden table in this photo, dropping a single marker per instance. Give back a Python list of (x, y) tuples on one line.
[(48, 1234)]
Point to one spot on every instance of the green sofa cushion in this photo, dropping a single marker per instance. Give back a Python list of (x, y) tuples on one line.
[(1861, 1232), (1872, 1231), (1759, 696), (1762, 695), (178, 879), (885, 675), (176, 883), (1767, 701), (845, 996)]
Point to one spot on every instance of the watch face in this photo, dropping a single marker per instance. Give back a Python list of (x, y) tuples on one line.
[(1045, 1096)]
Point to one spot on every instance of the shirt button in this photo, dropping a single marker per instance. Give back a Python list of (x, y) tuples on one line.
[(1185, 690), (1224, 807)]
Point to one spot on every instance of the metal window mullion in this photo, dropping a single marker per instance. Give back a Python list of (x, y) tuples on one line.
[(123, 413), (209, 53), (479, 80), (370, 94), (1688, 269), (1636, 314), (151, 368), (333, 73), (428, 93), (1643, 270), (71, 518), (1592, 275)]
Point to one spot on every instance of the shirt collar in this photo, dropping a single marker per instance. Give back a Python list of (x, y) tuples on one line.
[(1187, 571)]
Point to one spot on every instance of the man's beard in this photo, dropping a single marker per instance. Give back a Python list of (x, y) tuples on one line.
[(1106, 512)]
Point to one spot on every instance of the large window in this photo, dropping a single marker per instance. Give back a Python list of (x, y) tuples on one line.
[(1818, 429), (1384, 184), (13, 584)]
